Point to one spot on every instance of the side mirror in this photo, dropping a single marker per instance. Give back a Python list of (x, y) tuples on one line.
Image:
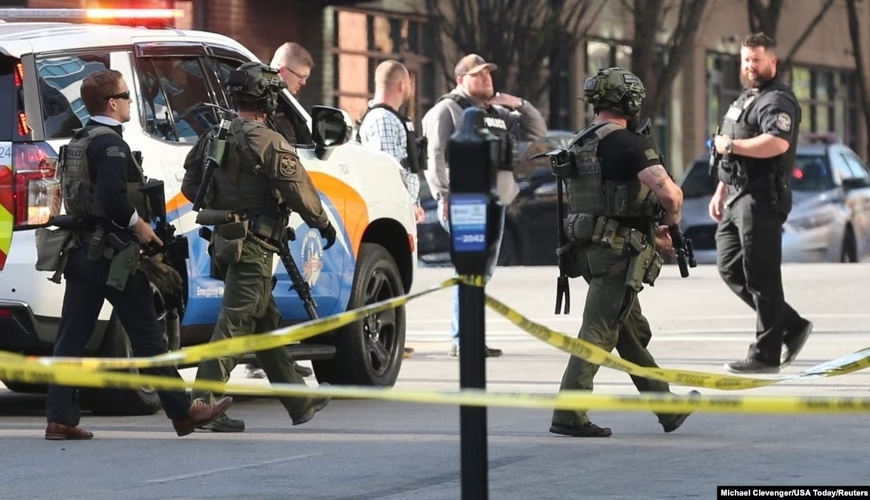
[(330, 127)]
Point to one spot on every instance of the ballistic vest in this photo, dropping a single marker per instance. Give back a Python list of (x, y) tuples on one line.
[(493, 122), (415, 160), (80, 197), (588, 193), (239, 183), (742, 122)]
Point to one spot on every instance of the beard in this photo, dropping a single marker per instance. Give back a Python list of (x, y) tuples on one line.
[(759, 80), (483, 95)]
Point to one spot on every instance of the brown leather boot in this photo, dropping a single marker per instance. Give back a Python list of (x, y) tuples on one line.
[(61, 432), (201, 413)]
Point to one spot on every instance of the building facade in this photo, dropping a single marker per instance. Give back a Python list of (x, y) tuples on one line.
[(349, 38)]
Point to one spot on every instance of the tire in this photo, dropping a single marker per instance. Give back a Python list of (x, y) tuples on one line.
[(370, 351), (849, 251), (143, 401)]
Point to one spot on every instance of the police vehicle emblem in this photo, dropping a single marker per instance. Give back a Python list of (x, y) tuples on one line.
[(312, 257)]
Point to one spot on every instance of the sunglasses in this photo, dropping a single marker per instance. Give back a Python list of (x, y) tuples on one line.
[(123, 95)]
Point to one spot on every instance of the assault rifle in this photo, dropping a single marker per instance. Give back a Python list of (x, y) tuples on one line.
[(174, 249), (682, 246), (213, 158)]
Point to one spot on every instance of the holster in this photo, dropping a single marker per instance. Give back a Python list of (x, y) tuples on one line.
[(644, 266), (125, 261), (52, 250)]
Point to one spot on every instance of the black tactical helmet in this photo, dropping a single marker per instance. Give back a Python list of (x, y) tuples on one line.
[(255, 84), (616, 89)]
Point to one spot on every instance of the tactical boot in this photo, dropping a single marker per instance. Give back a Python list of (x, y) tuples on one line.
[(225, 424), (583, 430), (317, 404), (678, 418)]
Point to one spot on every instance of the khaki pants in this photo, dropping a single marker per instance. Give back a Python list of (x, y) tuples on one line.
[(611, 318), (248, 307)]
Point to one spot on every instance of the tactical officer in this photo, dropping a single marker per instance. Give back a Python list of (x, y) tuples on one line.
[(384, 128), (261, 177), (616, 185), (752, 202), (100, 178), (505, 115)]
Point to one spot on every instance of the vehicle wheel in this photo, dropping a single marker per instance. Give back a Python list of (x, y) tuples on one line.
[(849, 252), (143, 401), (509, 254), (370, 351)]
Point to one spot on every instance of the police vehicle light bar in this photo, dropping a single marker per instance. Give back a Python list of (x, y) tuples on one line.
[(23, 14)]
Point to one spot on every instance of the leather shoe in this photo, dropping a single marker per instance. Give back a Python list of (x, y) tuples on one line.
[(200, 414), (792, 347), (587, 429), (60, 432)]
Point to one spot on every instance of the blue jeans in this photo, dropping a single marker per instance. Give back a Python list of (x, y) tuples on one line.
[(454, 323)]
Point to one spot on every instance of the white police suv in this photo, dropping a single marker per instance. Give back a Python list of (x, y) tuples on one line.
[(176, 76)]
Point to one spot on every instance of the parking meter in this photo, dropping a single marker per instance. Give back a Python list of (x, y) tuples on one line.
[(477, 158), (475, 155)]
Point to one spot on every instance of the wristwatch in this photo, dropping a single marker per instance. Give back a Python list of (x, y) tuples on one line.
[(729, 147), (520, 105)]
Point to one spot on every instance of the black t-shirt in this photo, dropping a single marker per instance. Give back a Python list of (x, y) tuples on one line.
[(624, 154)]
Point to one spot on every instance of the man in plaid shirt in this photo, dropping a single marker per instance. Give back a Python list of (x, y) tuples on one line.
[(383, 128)]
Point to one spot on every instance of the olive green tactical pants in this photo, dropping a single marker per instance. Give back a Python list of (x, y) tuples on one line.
[(611, 318), (248, 307)]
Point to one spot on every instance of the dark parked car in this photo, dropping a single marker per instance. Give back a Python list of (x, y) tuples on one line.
[(530, 223)]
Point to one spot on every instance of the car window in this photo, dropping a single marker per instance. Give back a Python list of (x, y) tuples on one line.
[(811, 173), (8, 104), (698, 182), (287, 121), (175, 95), (857, 169), (60, 79)]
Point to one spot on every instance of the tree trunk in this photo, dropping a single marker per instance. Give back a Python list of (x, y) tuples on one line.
[(764, 19), (860, 69)]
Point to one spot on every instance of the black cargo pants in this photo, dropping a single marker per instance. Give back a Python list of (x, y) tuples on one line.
[(749, 248)]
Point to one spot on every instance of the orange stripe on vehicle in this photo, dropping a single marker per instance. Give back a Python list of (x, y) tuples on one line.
[(177, 201), (353, 212)]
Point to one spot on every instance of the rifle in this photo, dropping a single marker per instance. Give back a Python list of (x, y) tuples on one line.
[(715, 156), (212, 162), (302, 288), (560, 158), (682, 246), (174, 249)]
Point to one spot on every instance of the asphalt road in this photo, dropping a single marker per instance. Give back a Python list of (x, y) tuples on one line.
[(367, 450)]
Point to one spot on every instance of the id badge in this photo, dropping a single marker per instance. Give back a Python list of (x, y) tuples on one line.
[(734, 113)]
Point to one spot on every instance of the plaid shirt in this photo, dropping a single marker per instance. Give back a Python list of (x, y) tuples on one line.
[(381, 130)]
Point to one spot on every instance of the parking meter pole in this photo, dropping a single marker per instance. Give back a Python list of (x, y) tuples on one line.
[(473, 213), (472, 374)]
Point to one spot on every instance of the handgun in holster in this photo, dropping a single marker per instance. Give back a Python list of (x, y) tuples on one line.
[(125, 261)]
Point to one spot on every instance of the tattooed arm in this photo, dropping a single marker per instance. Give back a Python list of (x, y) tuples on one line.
[(669, 194)]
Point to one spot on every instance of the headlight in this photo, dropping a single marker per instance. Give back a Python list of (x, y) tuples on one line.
[(812, 221)]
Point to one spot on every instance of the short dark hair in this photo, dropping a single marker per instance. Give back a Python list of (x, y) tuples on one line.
[(97, 88), (759, 40)]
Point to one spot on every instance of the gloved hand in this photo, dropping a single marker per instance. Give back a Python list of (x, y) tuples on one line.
[(328, 233), (165, 278)]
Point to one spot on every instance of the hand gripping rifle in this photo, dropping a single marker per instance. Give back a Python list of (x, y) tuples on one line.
[(174, 249), (682, 246)]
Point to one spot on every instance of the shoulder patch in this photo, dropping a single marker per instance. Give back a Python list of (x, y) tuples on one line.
[(783, 122), (288, 165), (651, 154), (115, 151)]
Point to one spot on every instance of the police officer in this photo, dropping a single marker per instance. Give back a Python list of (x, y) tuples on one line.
[(507, 116), (261, 176), (384, 128), (752, 202), (99, 179), (616, 185)]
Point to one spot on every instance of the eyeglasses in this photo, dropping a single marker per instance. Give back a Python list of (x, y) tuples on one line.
[(122, 95), (300, 76)]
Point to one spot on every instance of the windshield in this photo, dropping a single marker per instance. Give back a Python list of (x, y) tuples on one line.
[(811, 173)]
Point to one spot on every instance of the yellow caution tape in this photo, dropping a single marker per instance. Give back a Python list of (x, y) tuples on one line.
[(239, 345), (594, 354), (28, 371)]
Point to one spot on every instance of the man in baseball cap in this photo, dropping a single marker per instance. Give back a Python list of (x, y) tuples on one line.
[(517, 118)]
